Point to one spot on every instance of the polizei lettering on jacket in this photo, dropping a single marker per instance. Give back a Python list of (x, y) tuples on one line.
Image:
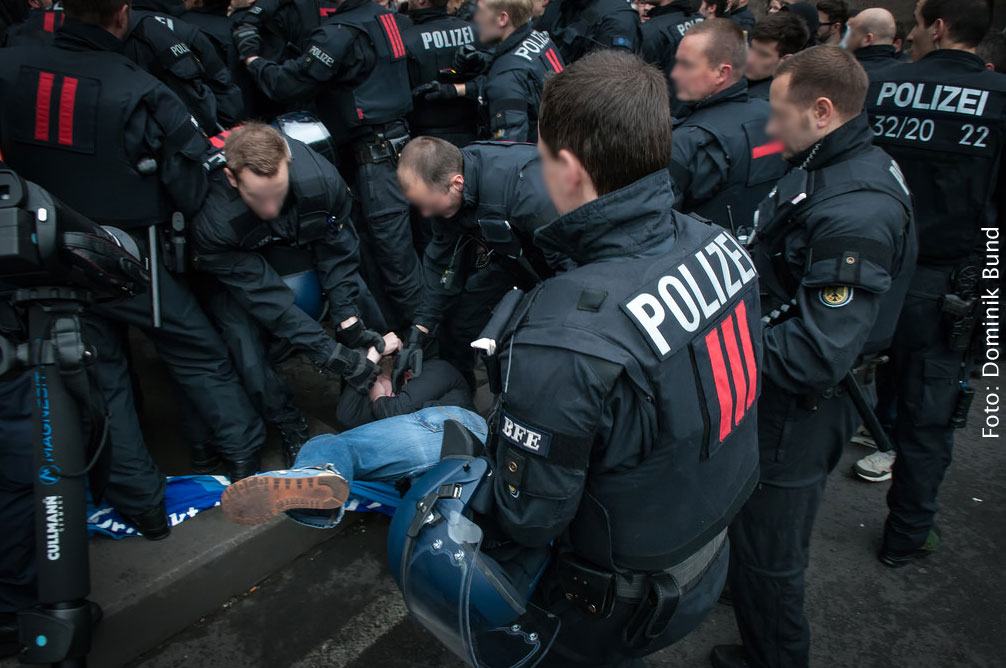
[(934, 97), (692, 293), (442, 39), (534, 44), (686, 26)]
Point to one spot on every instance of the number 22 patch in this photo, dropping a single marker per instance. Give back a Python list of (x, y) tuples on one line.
[(834, 296)]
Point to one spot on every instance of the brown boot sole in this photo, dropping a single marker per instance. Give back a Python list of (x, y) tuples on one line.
[(260, 498)]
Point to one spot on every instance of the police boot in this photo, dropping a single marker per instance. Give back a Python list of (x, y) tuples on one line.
[(153, 524), (729, 656), (242, 468), (899, 558), (294, 434), (203, 458)]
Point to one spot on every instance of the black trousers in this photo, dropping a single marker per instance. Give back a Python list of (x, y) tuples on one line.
[(463, 323), (585, 640), (928, 380), (214, 406), (770, 537), (17, 512)]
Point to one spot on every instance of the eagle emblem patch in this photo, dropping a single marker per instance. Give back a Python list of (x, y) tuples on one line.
[(834, 296)]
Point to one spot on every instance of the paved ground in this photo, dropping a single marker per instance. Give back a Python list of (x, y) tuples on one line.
[(337, 606)]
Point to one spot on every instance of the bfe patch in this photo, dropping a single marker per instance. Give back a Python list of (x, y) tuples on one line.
[(524, 436)]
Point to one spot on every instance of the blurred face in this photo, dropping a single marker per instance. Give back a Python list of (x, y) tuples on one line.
[(264, 195), (763, 59), (708, 10), (855, 38), (490, 23), (538, 8), (827, 30), (433, 202), (921, 37), (794, 126), (694, 78), (774, 6)]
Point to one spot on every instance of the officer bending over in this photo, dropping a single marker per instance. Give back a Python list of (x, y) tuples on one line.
[(278, 192), (511, 89), (118, 146), (583, 26), (722, 162), (951, 154), (354, 68), (773, 40), (835, 246), (616, 434), (486, 201)]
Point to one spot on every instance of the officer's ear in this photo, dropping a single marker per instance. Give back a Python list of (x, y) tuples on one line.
[(457, 183), (231, 178), (120, 22), (823, 111)]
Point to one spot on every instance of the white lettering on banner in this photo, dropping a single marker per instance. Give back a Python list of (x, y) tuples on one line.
[(532, 46), (941, 97), (692, 298)]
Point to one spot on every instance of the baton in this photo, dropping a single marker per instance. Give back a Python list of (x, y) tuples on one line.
[(155, 279), (865, 411)]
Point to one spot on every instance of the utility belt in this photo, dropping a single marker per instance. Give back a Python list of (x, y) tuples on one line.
[(385, 145), (596, 590), (864, 373)]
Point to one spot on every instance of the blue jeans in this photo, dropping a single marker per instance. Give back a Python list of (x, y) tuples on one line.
[(383, 451)]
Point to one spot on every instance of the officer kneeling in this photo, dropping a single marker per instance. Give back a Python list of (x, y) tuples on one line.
[(623, 436)]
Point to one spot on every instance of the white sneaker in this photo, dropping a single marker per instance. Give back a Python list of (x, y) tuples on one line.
[(864, 437), (875, 467)]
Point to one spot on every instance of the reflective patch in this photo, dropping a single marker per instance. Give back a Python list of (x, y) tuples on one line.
[(519, 433), (835, 295)]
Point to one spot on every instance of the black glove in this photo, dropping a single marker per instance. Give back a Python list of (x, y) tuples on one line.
[(358, 336), (354, 367), (247, 41), (469, 61), (435, 91), (411, 357)]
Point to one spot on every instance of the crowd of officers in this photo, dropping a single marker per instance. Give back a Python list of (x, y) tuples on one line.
[(124, 111)]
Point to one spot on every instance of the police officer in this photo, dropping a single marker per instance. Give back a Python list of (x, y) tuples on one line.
[(667, 24), (740, 14), (944, 119), (431, 43), (722, 163), (774, 39), (582, 26), (616, 435), (276, 192), (834, 245), (871, 39), (511, 89), (356, 66), (118, 146), (486, 202)]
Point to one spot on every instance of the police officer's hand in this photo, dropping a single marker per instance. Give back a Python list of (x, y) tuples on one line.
[(436, 91), (247, 41), (354, 367), (469, 61), (411, 358), (357, 335)]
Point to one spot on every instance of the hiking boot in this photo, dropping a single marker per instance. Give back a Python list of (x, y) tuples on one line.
[(259, 498)]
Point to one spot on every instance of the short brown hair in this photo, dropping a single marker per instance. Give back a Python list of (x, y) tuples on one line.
[(94, 12), (826, 71), (257, 147), (519, 11), (726, 43), (787, 30), (431, 159), (611, 110)]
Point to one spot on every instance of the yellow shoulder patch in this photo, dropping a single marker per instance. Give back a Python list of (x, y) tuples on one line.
[(835, 295)]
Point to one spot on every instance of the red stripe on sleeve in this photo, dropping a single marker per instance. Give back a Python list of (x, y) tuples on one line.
[(766, 149), (736, 370), (722, 382), (394, 37), (749, 358), (49, 22), (554, 60), (67, 101), (43, 102)]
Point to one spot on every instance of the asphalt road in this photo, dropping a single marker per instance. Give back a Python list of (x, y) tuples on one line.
[(337, 606)]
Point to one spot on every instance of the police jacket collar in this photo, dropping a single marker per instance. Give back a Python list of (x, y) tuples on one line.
[(678, 6), (876, 52), (76, 36), (427, 14), (853, 137), (954, 58), (735, 93), (349, 5), (626, 222), (510, 42)]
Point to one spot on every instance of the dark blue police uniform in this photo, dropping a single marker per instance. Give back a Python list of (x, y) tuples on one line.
[(662, 32)]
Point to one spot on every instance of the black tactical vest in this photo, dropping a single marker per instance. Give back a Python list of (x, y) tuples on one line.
[(574, 36), (944, 119), (39, 28), (539, 57), (66, 132), (431, 46), (872, 171), (685, 329), (755, 162), (384, 95)]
